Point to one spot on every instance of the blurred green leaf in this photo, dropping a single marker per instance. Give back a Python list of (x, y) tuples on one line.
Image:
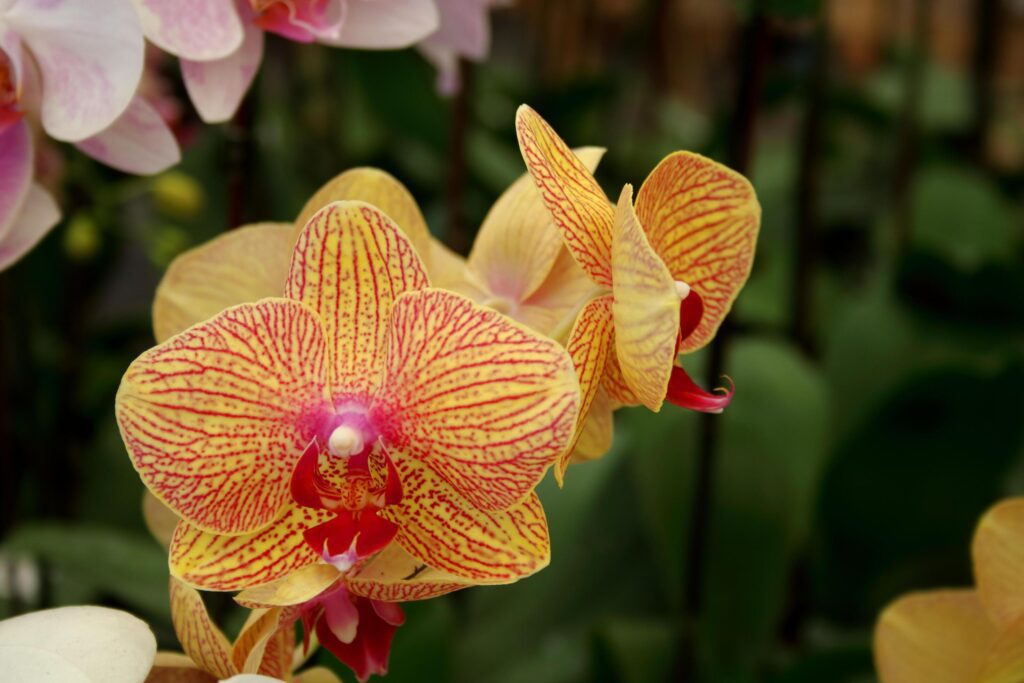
[(641, 650), (130, 568)]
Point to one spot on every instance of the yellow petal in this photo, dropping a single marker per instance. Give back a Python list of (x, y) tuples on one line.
[(447, 269), (317, 675), (484, 401), (240, 266), (213, 418), (577, 204), (444, 530), (998, 553), (517, 245), (229, 563), (380, 189), (702, 218), (350, 263), (294, 589), (552, 308), (174, 667), (393, 575), (933, 637), (590, 343), (646, 309), (202, 641), (614, 383), (265, 645), (598, 431), (160, 519), (1005, 660)]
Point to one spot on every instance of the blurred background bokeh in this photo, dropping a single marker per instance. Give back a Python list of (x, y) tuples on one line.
[(877, 349)]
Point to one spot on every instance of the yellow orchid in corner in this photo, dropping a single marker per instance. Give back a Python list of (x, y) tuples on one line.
[(963, 635), (670, 266)]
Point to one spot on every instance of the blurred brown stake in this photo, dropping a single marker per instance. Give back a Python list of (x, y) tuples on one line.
[(240, 161), (458, 237)]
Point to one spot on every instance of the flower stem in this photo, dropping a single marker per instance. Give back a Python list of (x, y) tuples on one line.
[(458, 238)]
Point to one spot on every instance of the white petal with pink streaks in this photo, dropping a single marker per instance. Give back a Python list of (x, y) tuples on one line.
[(138, 142), (38, 215), (386, 24), (217, 88), (200, 30)]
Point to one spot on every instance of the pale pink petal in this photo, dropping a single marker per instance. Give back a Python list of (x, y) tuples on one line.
[(90, 57), (465, 28), (10, 47), (15, 173), (38, 215), (446, 62), (217, 88), (138, 142), (386, 24), (200, 30), (304, 21)]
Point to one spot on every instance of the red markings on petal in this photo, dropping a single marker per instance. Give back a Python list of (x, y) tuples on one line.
[(396, 576), (202, 641), (213, 418), (484, 401), (349, 265), (684, 392), (702, 218), (576, 202)]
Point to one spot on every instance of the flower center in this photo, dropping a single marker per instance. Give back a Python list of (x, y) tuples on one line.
[(345, 441), (682, 289)]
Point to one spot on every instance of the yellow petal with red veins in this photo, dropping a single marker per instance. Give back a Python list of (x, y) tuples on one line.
[(484, 401), (380, 189), (646, 309), (615, 384), (202, 641), (294, 589), (702, 218), (598, 431), (393, 575), (174, 667), (317, 675), (229, 563), (266, 644), (350, 263), (938, 637), (517, 245), (240, 266), (444, 530), (212, 417), (590, 343), (998, 553), (577, 204), (160, 519), (551, 309)]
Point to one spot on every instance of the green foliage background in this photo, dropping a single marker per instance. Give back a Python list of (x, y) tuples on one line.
[(851, 466)]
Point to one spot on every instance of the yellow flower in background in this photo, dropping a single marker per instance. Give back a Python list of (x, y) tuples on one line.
[(963, 635), (671, 265)]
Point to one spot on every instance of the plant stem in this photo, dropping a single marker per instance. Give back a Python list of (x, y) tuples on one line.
[(458, 237), (986, 50), (240, 160)]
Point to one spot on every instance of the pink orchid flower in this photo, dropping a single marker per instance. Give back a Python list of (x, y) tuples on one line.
[(76, 66), (464, 33), (220, 42)]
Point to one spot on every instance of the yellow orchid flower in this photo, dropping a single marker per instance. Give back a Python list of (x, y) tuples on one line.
[(265, 646), (963, 635), (670, 266)]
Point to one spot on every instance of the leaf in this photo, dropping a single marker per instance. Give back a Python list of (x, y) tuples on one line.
[(641, 650), (131, 568)]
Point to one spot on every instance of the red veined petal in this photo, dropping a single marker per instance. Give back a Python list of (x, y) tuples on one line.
[(684, 392), (484, 401), (214, 418), (394, 575), (702, 218), (349, 265), (200, 638), (576, 202)]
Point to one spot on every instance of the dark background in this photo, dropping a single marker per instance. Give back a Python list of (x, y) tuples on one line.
[(877, 349)]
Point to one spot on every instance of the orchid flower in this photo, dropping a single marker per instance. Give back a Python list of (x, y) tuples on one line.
[(963, 635), (76, 66), (670, 266), (265, 646), (464, 33), (220, 42), (81, 644)]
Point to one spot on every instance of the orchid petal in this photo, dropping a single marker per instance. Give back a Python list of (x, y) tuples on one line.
[(379, 189), (517, 245), (227, 563), (465, 28), (296, 588), (90, 56), (200, 30), (76, 645), (367, 653), (551, 308), (590, 344), (998, 553), (350, 263), (252, 678), (213, 419), (386, 24), (266, 644), (1005, 659), (484, 401), (646, 309), (240, 266), (939, 637), (685, 393), (137, 142), (577, 204), (218, 86), (614, 383), (174, 667), (39, 214), (447, 270), (16, 162), (393, 575), (317, 674), (597, 433), (200, 638), (455, 537), (160, 519), (702, 218)]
